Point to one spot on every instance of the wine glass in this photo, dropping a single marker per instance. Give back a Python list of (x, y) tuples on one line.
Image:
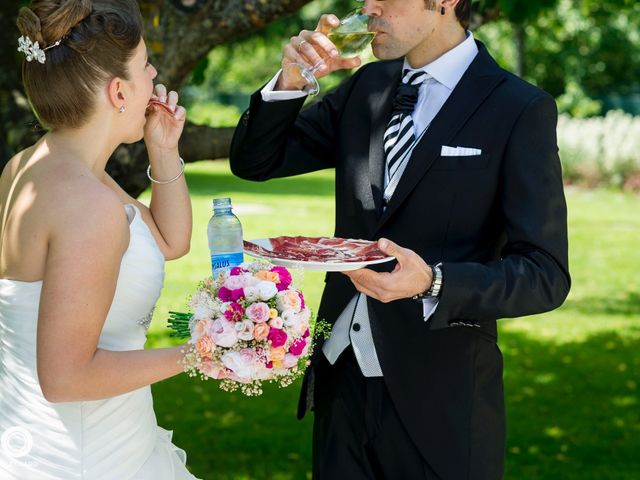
[(351, 37)]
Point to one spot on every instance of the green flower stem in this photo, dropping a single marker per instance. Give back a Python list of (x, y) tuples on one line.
[(179, 323)]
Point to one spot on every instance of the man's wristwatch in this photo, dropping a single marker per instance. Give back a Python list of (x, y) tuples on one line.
[(436, 284)]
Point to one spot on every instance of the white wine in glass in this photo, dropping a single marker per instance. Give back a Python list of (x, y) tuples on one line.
[(351, 44), (351, 37)]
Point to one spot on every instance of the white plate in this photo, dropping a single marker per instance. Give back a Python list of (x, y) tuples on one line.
[(314, 266)]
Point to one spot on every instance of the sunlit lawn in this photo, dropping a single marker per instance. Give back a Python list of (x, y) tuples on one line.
[(571, 377)]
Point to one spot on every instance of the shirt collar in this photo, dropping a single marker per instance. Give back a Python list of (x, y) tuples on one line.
[(450, 67)]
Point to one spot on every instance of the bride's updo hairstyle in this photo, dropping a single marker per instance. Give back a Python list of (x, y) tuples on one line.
[(97, 40)]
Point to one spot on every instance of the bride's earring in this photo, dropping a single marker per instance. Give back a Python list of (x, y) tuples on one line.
[(122, 109)]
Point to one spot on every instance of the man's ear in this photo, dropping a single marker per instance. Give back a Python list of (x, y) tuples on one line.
[(447, 5)]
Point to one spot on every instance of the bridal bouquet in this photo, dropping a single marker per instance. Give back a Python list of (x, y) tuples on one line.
[(247, 326)]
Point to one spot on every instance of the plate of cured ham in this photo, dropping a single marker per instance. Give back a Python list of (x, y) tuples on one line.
[(328, 254)]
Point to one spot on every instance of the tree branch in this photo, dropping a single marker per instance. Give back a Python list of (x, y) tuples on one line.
[(200, 26)]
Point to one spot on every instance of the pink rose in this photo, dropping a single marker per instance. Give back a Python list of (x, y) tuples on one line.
[(306, 334), (302, 304), (248, 355), (212, 369), (234, 282), (258, 312), (223, 333), (277, 337), (290, 361), (297, 347), (234, 312), (288, 300), (284, 278), (276, 323)]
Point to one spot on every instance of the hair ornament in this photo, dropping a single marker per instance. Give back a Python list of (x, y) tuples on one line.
[(33, 51)]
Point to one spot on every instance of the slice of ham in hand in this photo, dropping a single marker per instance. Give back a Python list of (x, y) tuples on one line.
[(155, 101)]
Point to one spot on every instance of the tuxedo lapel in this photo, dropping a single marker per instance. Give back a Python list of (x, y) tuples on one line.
[(482, 77), (380, 115)]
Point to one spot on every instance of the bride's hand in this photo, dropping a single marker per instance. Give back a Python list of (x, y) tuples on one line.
[(164, 122)]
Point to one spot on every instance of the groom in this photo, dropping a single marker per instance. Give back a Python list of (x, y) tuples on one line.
[(452, 163)]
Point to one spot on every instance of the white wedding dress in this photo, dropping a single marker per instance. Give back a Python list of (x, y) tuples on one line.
[(117, 438)]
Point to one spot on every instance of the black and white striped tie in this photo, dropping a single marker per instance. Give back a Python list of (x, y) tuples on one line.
[(400, 135)]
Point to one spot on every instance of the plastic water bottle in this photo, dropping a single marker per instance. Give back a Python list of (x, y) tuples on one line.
[(225, 237)]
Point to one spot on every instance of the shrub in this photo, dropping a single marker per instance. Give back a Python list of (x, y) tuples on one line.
[(601, 151)]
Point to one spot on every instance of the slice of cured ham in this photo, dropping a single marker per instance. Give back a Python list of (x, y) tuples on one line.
[(319, 249), (162, 105)]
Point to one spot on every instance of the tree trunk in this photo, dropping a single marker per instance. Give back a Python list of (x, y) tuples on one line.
[(200, 25)]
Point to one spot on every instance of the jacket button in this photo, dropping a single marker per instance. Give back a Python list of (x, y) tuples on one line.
[(245, 118), (356, 327)]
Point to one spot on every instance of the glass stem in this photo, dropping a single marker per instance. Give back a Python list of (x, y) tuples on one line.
[(317, 66)]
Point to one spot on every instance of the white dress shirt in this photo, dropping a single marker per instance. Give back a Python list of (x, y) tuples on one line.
[(353, 326)]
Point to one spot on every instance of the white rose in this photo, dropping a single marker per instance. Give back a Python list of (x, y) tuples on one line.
[(250, 280), (266, 290), (291, 320), (251, 294), (245, 330), (237, 364)]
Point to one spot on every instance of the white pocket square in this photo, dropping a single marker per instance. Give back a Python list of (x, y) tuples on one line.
[(459, 151)]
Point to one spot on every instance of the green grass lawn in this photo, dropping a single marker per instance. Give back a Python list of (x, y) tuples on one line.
[(571, 376)]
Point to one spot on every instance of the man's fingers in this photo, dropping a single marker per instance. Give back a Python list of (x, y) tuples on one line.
[(347, 63), (327, 23), (291, 55), (308, 47), (372, 280), (391, 249), (320, 40), (363, 288)]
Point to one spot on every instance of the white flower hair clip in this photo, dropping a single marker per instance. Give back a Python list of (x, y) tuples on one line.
[(32, 50)]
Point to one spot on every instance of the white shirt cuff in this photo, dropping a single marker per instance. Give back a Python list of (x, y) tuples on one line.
[(271, 95), (429, 306)]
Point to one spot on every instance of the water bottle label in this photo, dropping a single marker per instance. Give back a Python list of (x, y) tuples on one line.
[(228, 260)]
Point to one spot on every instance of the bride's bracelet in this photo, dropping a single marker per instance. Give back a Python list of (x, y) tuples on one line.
[(164, 182)]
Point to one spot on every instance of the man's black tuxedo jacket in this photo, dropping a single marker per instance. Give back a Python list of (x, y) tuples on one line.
[(496, 221)]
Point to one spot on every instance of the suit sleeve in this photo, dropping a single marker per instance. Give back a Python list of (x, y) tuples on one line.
[(277, 139), (532, 275)]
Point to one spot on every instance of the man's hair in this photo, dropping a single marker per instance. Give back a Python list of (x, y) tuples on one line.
[(463, 11)]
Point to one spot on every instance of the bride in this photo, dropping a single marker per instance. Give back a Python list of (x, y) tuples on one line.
[(81, 262)]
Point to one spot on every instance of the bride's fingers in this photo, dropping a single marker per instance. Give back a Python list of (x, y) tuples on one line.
[(181, 113), (172, 101), (161, 92)]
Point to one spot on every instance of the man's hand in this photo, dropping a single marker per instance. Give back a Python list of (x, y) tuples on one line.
[(309, 49), (410, 277)]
